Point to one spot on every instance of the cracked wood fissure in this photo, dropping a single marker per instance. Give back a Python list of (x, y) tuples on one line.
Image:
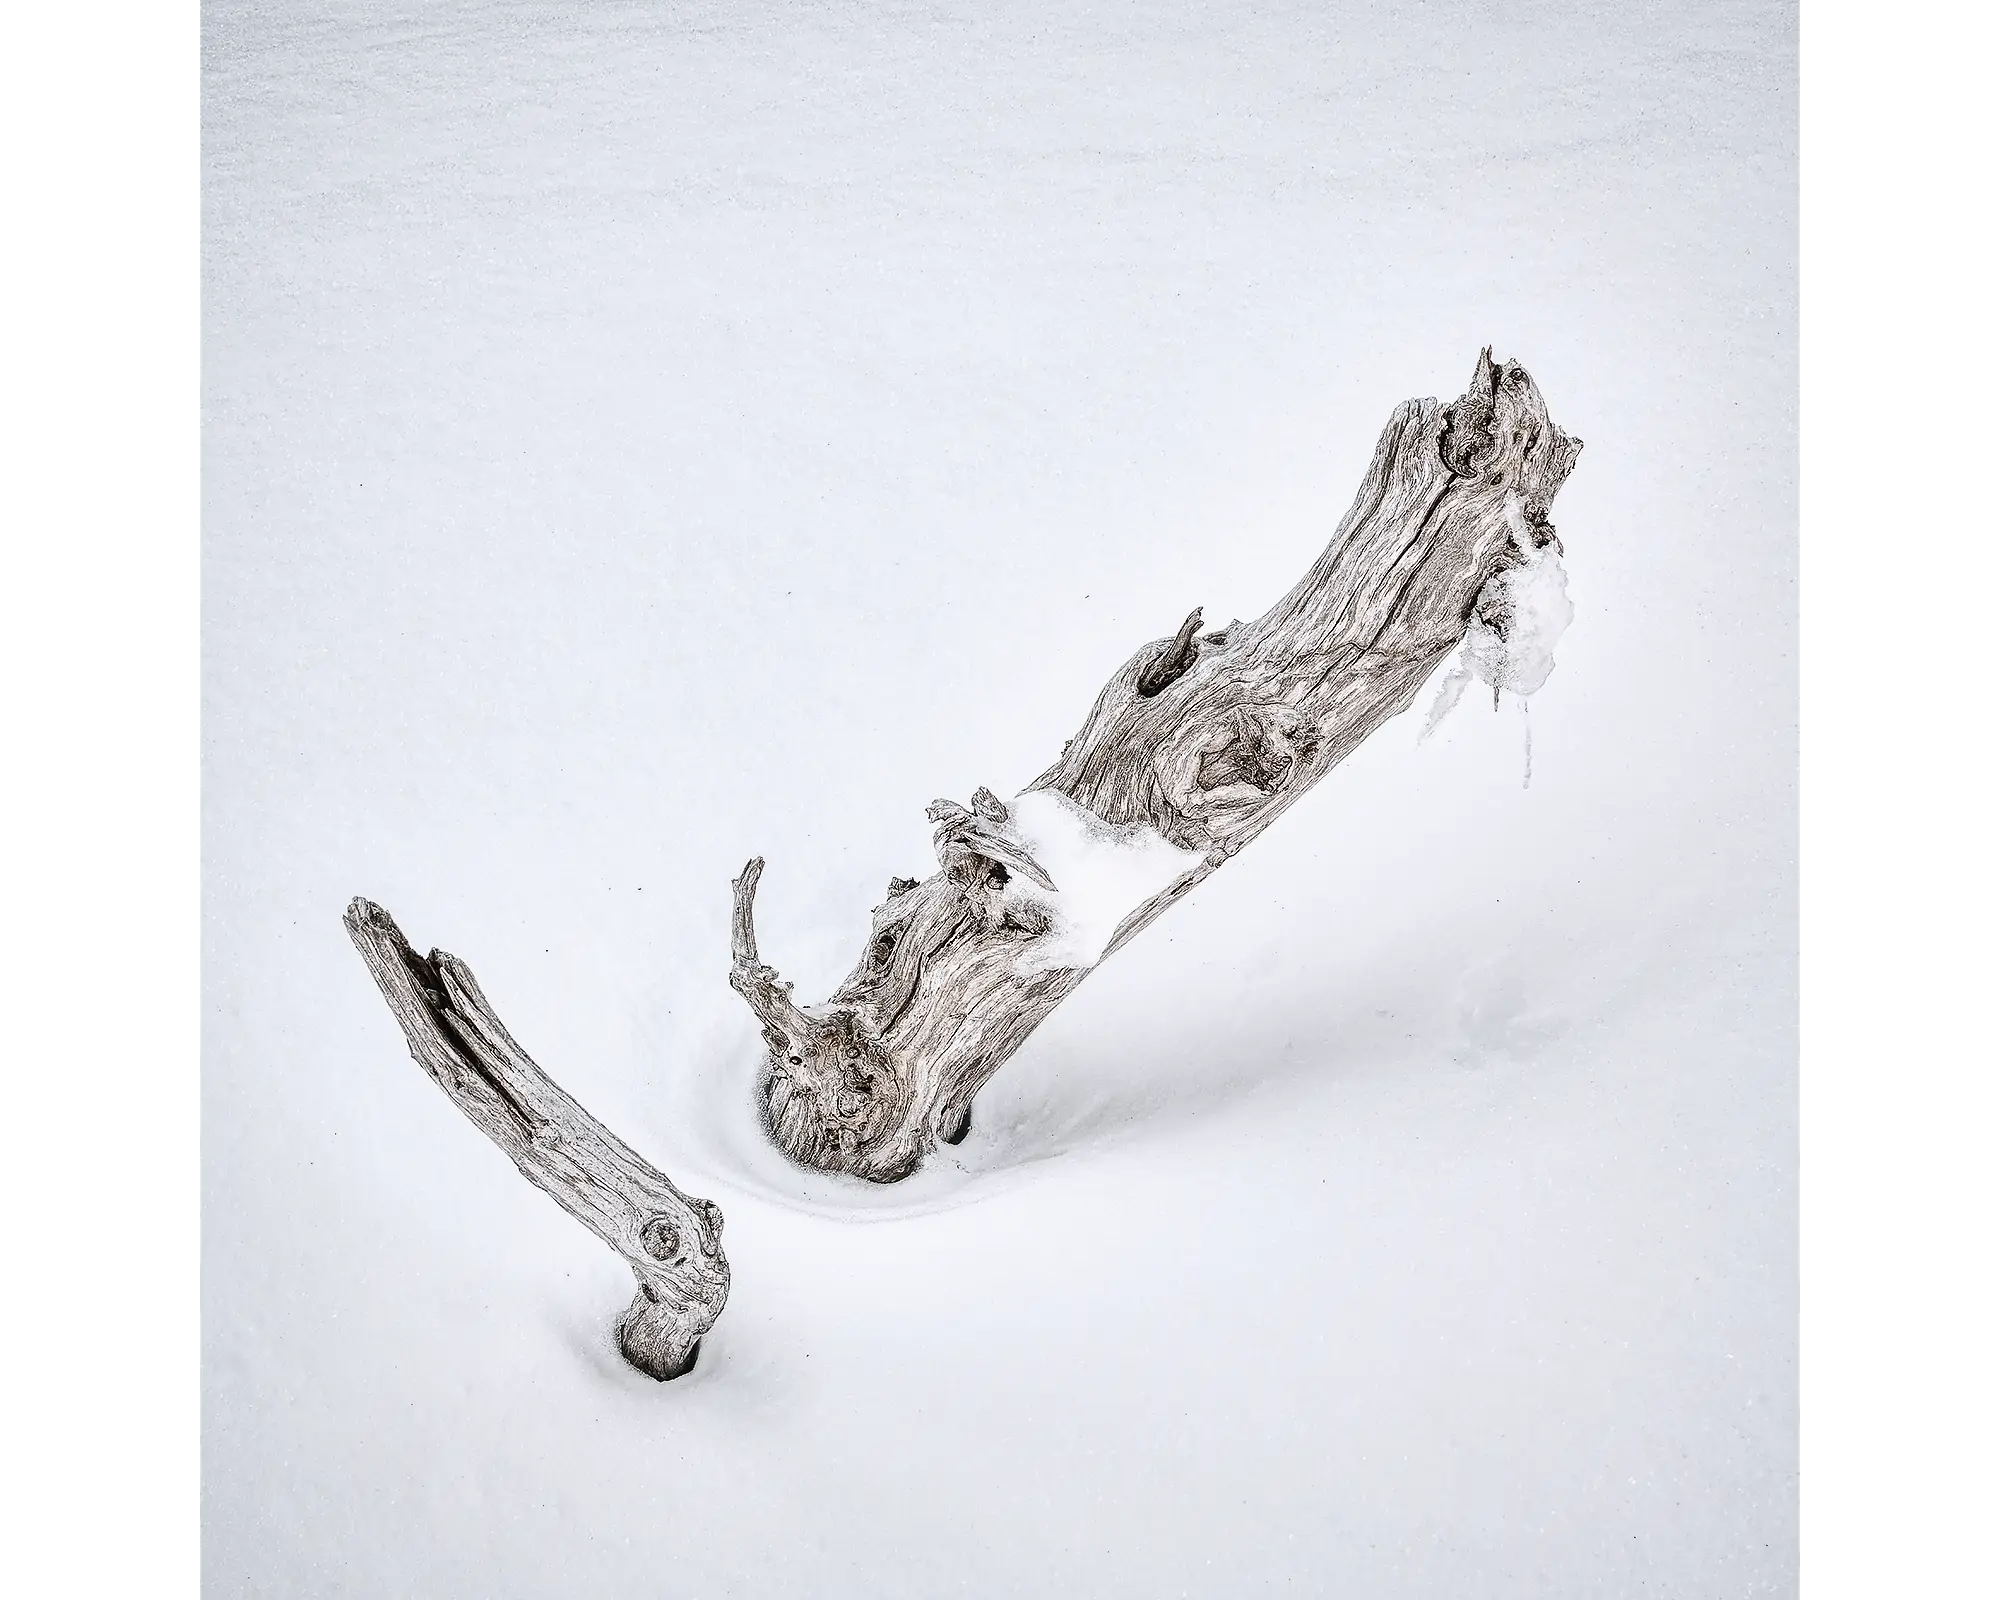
[(1199, 741), (672, 1242)]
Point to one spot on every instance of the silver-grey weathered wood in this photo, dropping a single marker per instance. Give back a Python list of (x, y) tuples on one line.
[(673, 1243), (1200, 740)]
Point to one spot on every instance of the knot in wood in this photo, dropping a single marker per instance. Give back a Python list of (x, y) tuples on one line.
[(660, 1238)]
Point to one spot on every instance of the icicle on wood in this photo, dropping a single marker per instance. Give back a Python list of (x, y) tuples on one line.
[(1198, 743)]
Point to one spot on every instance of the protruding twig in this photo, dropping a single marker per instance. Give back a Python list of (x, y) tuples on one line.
[(1174, 658), (979, 833), (748, 976), (743, 918)]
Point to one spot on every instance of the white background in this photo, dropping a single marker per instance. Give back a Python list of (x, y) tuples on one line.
[(639, 439), (1198, 1331)]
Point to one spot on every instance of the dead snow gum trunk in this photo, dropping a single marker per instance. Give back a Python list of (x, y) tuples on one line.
[(1192, 750)]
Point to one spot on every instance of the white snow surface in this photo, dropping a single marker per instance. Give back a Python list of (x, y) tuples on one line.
[(642, 437), (1102, 875)]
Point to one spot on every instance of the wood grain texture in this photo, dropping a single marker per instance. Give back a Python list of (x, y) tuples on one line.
[(671, 1241), (1201, 740)]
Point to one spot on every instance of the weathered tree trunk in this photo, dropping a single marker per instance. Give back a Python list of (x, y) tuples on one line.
[(1192, 750), (673, 1243)]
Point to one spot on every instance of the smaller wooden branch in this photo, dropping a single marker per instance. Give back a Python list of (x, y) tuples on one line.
[(673, 1243)]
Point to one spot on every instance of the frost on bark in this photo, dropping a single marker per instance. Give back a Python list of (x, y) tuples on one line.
[(1196, 746), (672, 1242)]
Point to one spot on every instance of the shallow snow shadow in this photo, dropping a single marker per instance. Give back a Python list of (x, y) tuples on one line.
[(1073, 1095), (748, 1365), (1047, 1103), (1068, 1093), (1070, 1097), (717, 1135)]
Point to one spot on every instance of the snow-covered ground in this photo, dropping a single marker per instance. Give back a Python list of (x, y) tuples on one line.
[(639, 437)]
